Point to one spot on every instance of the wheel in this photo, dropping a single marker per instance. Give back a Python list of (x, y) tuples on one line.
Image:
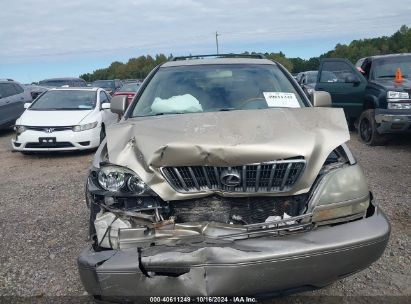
[(367, 129), (102, 133)]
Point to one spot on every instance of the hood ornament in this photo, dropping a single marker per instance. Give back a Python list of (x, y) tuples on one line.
[(230, 178)]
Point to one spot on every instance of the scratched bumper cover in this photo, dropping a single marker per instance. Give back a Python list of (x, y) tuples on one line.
[(254, 266)]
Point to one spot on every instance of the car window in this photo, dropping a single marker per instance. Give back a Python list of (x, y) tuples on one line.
[(129, 87), (105, 84), (103, 97), (65, 100), (18, 88), (388, 66), (56, 83), (210, 88), (336, 71), (7, 89)]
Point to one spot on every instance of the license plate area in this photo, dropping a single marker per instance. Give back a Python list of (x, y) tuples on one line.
[(50, 141)]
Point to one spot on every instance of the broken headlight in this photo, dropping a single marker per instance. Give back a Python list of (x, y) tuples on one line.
[(115, 179), (341, 193)]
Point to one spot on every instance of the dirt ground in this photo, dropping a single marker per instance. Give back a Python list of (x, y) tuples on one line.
[(43, 221)]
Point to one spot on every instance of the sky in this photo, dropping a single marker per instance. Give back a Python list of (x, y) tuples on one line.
[(48, 38)]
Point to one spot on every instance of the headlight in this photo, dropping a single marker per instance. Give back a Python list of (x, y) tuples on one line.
[(399, 105), (20, 129), (88, 126), (114, 178), (397, 95), (341, 193)]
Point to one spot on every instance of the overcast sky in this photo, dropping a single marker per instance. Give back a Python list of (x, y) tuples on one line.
[(50, 38)]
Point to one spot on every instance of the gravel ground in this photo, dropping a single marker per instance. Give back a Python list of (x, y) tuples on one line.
[(43, 221)]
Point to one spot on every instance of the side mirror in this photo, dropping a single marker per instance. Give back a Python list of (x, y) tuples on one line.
[(27, 105), (352, 79), (105, 106), (118, 104), (321, 99)]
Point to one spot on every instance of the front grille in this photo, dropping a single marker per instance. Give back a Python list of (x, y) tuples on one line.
[(49, 129), (267, 177), (61, 144), (238, 210)]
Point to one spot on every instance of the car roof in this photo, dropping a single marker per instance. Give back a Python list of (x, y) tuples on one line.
[(76, 89), (389, 55), (63, 78), (208, 61)]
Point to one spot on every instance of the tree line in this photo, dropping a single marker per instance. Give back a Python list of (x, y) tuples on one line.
[(399, 42)]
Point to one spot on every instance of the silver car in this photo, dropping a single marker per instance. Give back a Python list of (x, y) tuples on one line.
[(12, 98), (222, 179)]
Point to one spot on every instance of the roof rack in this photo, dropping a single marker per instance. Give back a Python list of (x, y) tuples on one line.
[(257, 56)]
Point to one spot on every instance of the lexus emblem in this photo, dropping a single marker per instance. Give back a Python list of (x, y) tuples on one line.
[(49, 130), (230, 178)]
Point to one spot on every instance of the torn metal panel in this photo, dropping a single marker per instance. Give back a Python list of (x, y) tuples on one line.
[(226, 139), (246, 267)]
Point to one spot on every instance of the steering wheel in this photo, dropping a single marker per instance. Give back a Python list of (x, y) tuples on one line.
[(243, 103)]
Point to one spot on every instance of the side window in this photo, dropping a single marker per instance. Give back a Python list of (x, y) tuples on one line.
[(7, 89), (336, 72), (103, 97), (18, 88)]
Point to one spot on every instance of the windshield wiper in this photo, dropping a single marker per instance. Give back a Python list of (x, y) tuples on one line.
[(391, 76), (167, 113), (226, 109)]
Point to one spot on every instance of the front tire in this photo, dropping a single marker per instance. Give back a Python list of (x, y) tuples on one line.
[(367, 129)]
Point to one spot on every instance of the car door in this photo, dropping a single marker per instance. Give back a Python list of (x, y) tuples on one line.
[(9, 103), (107, 116), (345, 84)]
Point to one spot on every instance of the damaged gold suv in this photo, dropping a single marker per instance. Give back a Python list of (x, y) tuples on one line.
[(222, 179)]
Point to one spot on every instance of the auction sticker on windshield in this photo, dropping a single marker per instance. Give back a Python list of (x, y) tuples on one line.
[(281, 99)]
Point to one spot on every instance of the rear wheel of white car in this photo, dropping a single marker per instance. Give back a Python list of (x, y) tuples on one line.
[(367, 129)]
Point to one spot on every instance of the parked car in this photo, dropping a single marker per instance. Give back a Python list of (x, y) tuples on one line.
[(377, 100), (63, 82), (64, 119), (12, 98), (222, 179), (109, 85), (36, 90), (307, 81), (129, 89)]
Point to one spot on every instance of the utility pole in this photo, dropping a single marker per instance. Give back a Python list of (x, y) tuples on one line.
[(216, 40)]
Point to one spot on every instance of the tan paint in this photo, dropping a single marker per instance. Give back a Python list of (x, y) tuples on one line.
[(240, 137)]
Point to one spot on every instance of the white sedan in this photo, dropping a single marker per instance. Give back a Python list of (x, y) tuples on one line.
[(64, 119)]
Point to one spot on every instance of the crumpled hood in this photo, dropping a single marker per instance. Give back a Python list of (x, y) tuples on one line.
[(52, 118), (226, 139)]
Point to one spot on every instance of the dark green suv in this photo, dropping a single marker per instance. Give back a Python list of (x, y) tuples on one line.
[(375, 95)]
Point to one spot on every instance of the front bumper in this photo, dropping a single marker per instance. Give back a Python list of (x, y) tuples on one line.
[(66, 140), (393, 121), (254, 266)]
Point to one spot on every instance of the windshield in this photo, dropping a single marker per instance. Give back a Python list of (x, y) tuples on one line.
[(387, 67), (210, 88), (55, 83), (129, 87), (104, 84), (65, 100)]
